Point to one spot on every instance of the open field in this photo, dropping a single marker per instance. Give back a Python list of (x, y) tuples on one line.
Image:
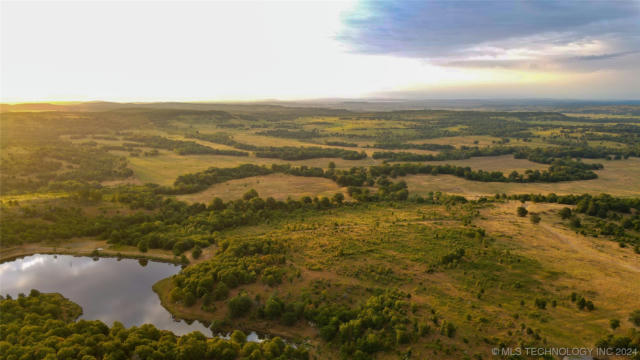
[(504, 163), (33, 196), (278, 186), (573, 262), (619, 178), (166, 167)]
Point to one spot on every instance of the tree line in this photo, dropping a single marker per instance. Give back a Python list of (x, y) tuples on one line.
[(182, 147), (282, 152), (539, 155), (45, 326)]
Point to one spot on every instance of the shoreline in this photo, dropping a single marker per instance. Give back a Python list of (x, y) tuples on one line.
[(290, 334), (84, 247)]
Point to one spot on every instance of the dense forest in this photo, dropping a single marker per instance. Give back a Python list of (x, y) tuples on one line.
[(44, 326)]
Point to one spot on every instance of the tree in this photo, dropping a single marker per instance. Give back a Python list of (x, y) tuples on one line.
[(615, 323), (217, 204), (565, 213), (338, 198), (522, 211), (535, 218), (634, 317), (197, 251), (250, 195), (240, 305), (176, 294), (575, 222), (142, 246), (238, 337), (221, 291), (189, 299)]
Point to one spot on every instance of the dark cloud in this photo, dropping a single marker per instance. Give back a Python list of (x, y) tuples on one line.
[(606, 56), (485, 33)]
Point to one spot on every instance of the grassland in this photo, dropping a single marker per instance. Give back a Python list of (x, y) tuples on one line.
[(619, 178), (359, 249), (278, 186), (610, 274)]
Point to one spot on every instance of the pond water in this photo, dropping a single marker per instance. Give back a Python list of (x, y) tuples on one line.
[(108, 289)]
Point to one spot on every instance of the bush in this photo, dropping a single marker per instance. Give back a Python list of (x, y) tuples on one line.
[(634, 317), (522, 212), (615, 323), (240, 305), (565, 213), (535, 218), (448, 329), (176, 294), (575, 222), (189, 299), (197, 251), (143, 246), (221, 291)]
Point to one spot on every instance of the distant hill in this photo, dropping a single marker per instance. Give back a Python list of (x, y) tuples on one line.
[(339, 106)]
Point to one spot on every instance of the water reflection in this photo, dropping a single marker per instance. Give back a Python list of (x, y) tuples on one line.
[(108, 289)]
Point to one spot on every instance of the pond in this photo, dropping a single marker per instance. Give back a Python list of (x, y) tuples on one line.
[(108, 289)]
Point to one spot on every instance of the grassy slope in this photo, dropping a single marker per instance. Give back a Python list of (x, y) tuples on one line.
[(546, 260)]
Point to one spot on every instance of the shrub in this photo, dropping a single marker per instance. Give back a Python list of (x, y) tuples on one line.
[(575, 222), (535, 218), (240, 305), (634, 317), (615, 323), (522, 211), (189, 299), (143, 246), (565, 213), (197, 251), (448, 329), (221, 291)]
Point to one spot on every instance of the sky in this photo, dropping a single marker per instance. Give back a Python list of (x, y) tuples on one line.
[(242, 50)]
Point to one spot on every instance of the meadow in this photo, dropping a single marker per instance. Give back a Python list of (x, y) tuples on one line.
[(619, 178), (278, 186)]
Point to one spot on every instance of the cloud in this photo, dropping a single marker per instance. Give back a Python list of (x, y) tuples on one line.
[(516, 33), (606, 56)]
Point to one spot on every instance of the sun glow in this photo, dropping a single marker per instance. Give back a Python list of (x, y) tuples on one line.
[(207, 51)]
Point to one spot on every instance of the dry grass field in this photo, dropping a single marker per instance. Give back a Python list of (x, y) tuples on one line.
[(618, 178), (166, 167), (572, 263), (278, 186)]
